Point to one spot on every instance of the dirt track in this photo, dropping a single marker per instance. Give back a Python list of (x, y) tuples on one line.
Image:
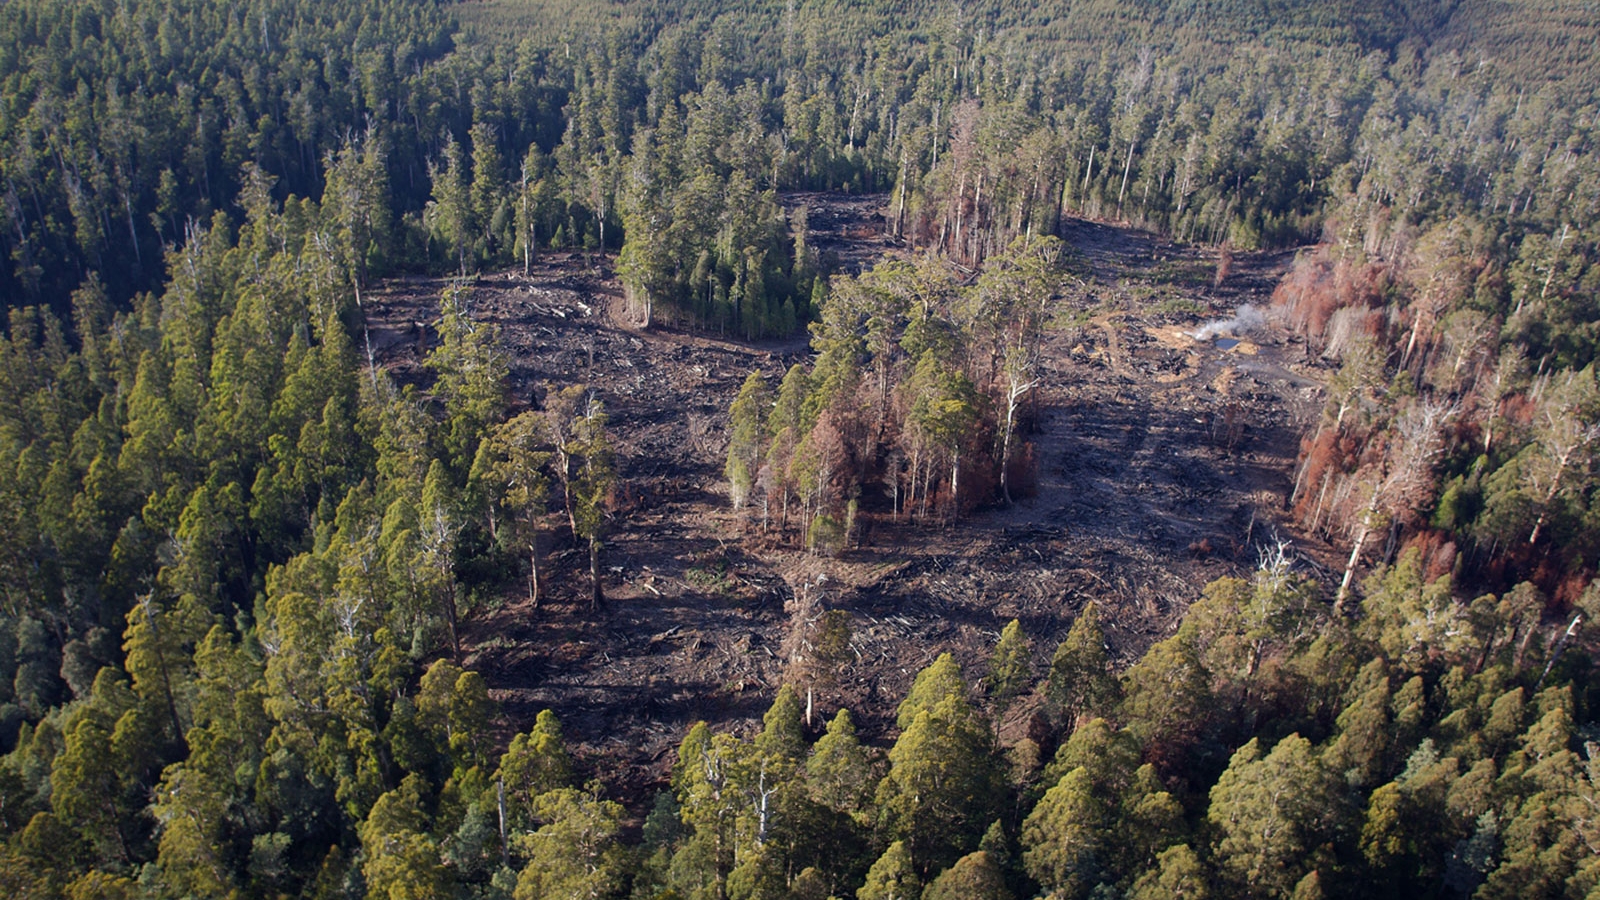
[(1163, 462)]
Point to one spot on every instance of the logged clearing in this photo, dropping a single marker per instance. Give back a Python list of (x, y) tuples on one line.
[(1162, 463)]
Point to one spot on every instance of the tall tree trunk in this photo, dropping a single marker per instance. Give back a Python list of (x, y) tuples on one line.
[(1126, 166), (1561, 647), (955, 483), (148, 602), (1005, 455), (1299, 480), (133, 233), (961, 194), (1016, 393), (900, 213), (500, 802), (1549, 498), (533, 569), (1355, 553), (450, 618)]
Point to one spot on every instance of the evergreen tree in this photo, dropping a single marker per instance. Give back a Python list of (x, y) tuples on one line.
[(1272, 813), (1179, 873), (487, 193), (943, 781), (574, 852), (974, 876), (592, 489), (535, 763), (747, 422), (1064, 837), (402, 858), (892, 877), (1011, 666), (449, 214), (1080, 678), (471, 371), (509, 476), (837, 772)]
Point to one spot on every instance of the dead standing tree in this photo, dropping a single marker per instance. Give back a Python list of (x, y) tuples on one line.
[(818, 645), (1565, 430), (1402, 480)]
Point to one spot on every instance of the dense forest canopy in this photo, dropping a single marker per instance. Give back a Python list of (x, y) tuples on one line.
[(1224, 122), (236, 556)]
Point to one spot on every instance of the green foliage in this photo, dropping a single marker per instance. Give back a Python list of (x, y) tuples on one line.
[(939, 681), (943, 781), (402, 860), (837, 772), (909, 361), (534, 764), (975, 875), (1273, 812), (1408, 827), (574, 852), (826, 535), (1103, 819), (782, 736), (1167, 696), (1080, 673), (1360, 752), (509, 474), (592, 487), (705, 244), (229, 544), (747, 422), (471, 372), (892, 877), (1179, 872), (1064, 838), (1011, 666)]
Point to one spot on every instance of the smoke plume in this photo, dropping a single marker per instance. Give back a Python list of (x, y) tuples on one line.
[(1245, 320)]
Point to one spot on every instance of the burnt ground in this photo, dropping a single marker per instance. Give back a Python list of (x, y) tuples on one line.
[(846, 231), (1162, 464)]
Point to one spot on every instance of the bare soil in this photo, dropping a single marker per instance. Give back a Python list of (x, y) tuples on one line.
[(1162, 463)]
